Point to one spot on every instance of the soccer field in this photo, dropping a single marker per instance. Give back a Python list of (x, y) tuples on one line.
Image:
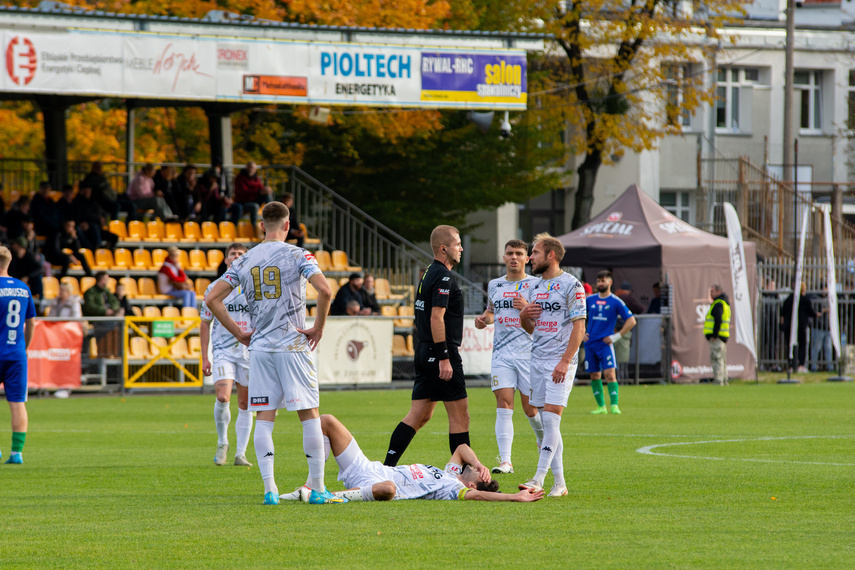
[(748, 475)]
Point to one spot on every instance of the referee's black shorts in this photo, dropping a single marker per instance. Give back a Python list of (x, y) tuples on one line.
[(428, 384)]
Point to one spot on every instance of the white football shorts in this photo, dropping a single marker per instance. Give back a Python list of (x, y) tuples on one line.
[(223, 369), (544, 390), (357, 471), (282, 380), (512, 374)]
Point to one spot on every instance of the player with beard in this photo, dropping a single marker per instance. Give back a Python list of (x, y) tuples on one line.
[(603, 310), (556, 320), (511, 349), (439, 368)]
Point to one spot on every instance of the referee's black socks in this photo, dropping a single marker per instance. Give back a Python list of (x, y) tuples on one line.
[(455, 440), (401, 438)]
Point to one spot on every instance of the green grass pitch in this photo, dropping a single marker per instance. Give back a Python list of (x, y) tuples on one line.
[(748, 475)]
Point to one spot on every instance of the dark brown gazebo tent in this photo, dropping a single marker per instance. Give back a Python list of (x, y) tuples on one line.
[(641, 242)]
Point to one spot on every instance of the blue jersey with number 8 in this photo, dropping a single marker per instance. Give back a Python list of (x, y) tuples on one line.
[(16, 306)]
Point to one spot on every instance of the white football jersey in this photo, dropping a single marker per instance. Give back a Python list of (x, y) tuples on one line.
[(562, 299), (510, 341), (273, 276), (223, 344), (419, 481)]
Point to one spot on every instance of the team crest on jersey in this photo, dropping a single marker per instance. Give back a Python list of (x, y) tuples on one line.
[(520, 285), (553, 286)]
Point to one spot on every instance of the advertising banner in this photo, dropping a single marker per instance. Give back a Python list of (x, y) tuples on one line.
[(742, 309), (123, 64), (355, 351), (831, 282), (54, 355), (477, 348)]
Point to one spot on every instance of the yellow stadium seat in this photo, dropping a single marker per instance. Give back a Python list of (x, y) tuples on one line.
[(228, 232), (339, 262), (311, 292), (90, 259), (157, 257), (156, 344), (388, 311), (86, 283), (50, 287), (138, 348), (171, 312), (93, 347), (131, 288), (210, 233), (192, 232), (142, 259), (306, 238), (104, 258), (136, 231), (183, 259), (399, 345), (152, 312), (111, 285), (201, 285), (173, 232), (136, 311), (189, 312), (119, 228), (246, 231), (313, 311), (156, 231), (67, 251), (148, 289), (215, 257), (72, 282), (334, 286), (404, 311), (324, 260), (46, 311), (382, 290), (197, 260), (194, 347), (411, 351), (123, 259), (179, 349)]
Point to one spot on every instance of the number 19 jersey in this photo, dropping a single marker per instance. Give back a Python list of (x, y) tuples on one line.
[(273, 278), (16, 306), (510, 341), (562, 299)]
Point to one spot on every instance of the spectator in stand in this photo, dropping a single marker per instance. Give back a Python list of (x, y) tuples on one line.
[(65, 205), (183, 189), (226, 194), (820, 333), (250, 191), (25, 266), (142, 193), (588, 289), (14, 218), (91, 219), (66, 238), (294, 230), (172, 280), (803, 318), (99, 302), (66, 305), (102, 192), (353, 308), (209, 202), (655, 306), (350, 292), (122, 296), (369, 298), (45, 212), (164, 182)]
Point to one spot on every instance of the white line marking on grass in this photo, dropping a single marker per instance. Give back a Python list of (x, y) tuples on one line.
[(648, 450)]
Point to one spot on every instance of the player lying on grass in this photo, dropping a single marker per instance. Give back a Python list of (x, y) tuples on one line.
[(464, 478)]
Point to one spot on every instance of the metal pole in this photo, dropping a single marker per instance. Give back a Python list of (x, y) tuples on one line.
[(788, 89)]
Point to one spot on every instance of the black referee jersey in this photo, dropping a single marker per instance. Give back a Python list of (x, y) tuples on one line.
[(438, 288)]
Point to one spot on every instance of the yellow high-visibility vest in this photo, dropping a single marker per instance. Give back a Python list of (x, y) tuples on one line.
[(709, 322)]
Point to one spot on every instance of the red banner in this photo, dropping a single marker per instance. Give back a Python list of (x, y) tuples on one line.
[(54, 355)]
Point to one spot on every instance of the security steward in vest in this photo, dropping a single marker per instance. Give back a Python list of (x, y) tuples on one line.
[(717, 331), (439, 368)]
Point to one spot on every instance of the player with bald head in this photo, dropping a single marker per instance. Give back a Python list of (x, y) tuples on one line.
[(439, 368)]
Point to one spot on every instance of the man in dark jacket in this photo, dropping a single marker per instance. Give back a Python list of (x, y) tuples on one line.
[(44, 211), (350, 292), (66, 238), (102, 192), (250, 191), (803, 319), (369, 297), (717, 331), (25, 266)]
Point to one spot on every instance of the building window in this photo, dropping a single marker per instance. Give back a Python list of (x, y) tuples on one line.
[(733, 98), (809, 83), (678, 203), (676, 75)]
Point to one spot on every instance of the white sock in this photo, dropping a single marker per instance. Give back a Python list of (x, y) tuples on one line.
[(243, 427), (222, 417), (363, 494), (313, 447), (537, 426), (557, 465), (505, 432), (264, 454), (551, 439), (326, 448)]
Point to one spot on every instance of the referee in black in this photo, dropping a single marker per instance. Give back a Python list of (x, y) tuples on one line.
[(439, 368)]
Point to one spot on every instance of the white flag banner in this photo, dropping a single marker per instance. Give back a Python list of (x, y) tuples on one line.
[(797, 283), (831, 281), (739, 279)]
